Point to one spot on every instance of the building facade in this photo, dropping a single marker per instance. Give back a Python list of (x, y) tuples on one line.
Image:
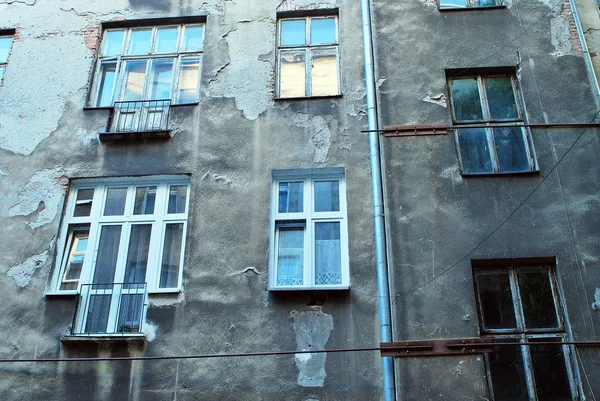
[(185, 179)]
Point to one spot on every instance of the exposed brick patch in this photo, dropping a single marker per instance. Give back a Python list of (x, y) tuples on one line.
[(575, 39), (90, 37), (17, 36)]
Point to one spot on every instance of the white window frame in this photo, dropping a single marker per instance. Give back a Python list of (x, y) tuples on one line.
[(121, 60), (308, 218), (308, 49), (522, 334), (159, 219), (468, 4), (490, 123), (4, 64)]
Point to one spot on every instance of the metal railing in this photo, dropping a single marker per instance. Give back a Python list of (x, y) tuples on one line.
[(140, 116), (115, 309)]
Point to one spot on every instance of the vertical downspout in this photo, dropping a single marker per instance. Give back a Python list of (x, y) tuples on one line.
[(586, 53), (376, 185)]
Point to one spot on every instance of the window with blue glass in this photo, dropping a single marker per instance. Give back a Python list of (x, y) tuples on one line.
[(309, 241), (490, 134)]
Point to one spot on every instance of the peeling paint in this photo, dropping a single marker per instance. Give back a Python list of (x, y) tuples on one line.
[(453, 173), (312, 330), (596, 304), (31, 113), (43, 194), (150, 330), (439, 99), (247, 43), (248, 271), (23, 272), (319, 135), (289, 5), (560, 36)]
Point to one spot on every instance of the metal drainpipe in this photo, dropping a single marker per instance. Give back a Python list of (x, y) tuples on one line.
[(586, 52), (376, 184)]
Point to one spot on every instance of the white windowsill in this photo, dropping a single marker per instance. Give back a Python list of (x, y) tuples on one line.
[(313, 288)]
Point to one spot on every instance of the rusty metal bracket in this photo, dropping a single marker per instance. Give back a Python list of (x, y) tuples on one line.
[(457, 346), (415, 130)]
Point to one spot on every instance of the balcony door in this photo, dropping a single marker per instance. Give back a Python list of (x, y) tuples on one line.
[(114, 301)]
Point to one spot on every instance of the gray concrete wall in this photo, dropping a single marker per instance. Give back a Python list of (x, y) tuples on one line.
[(439, 220), (229, 143)]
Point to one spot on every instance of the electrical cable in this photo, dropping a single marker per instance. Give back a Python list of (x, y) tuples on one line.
[(507, 217), (390, 347)]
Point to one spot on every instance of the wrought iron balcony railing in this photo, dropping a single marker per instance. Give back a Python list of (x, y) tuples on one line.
[(144, 116), (114, 309)]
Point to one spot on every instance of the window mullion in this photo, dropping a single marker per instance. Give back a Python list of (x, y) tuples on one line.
[(308, 65), (514, 287), (528, 366)]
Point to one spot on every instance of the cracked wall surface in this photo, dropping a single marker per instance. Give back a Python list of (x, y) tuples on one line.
[(228, 144), (312, 329), (439, 220)]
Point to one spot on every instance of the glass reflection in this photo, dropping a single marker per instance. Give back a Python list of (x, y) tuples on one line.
[(293, 73)]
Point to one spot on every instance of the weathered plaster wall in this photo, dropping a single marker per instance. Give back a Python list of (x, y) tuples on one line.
[(228, 143), (439, 220)]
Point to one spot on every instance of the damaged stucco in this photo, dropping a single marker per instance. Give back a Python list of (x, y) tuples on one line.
[(312, 329), (42, 195), (318, 133), (596, 303), (248, 42), (23, 272)]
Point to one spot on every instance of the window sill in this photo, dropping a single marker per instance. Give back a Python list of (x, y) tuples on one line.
[(454, 9), (288, 99), (314, 288), (116, 136), (104, 339), (519, 173), (93, 108), (55, 294)]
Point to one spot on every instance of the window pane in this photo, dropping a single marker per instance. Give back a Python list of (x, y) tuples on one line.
[(145, 197), (465, 99), (171, 260), (453, 3), (166, 40), (79, 241), (5, 45), (106, 259), (83, 203), (496, 300), (137, 254), (98, 311), (549, 371), (192, 38), (293, 32), (290, 255), (177, 199), (130, 313), (112, 45), (292, 80), (327, 196), (474, 150), (291, 195), (105, 84), (322, 31), (135, 77), (115, 202), (161, 74), (324, 73), (511, 149), (328, 264), (501, 98), (139, 42), (537, 299), (507, 373), (188, 80)]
